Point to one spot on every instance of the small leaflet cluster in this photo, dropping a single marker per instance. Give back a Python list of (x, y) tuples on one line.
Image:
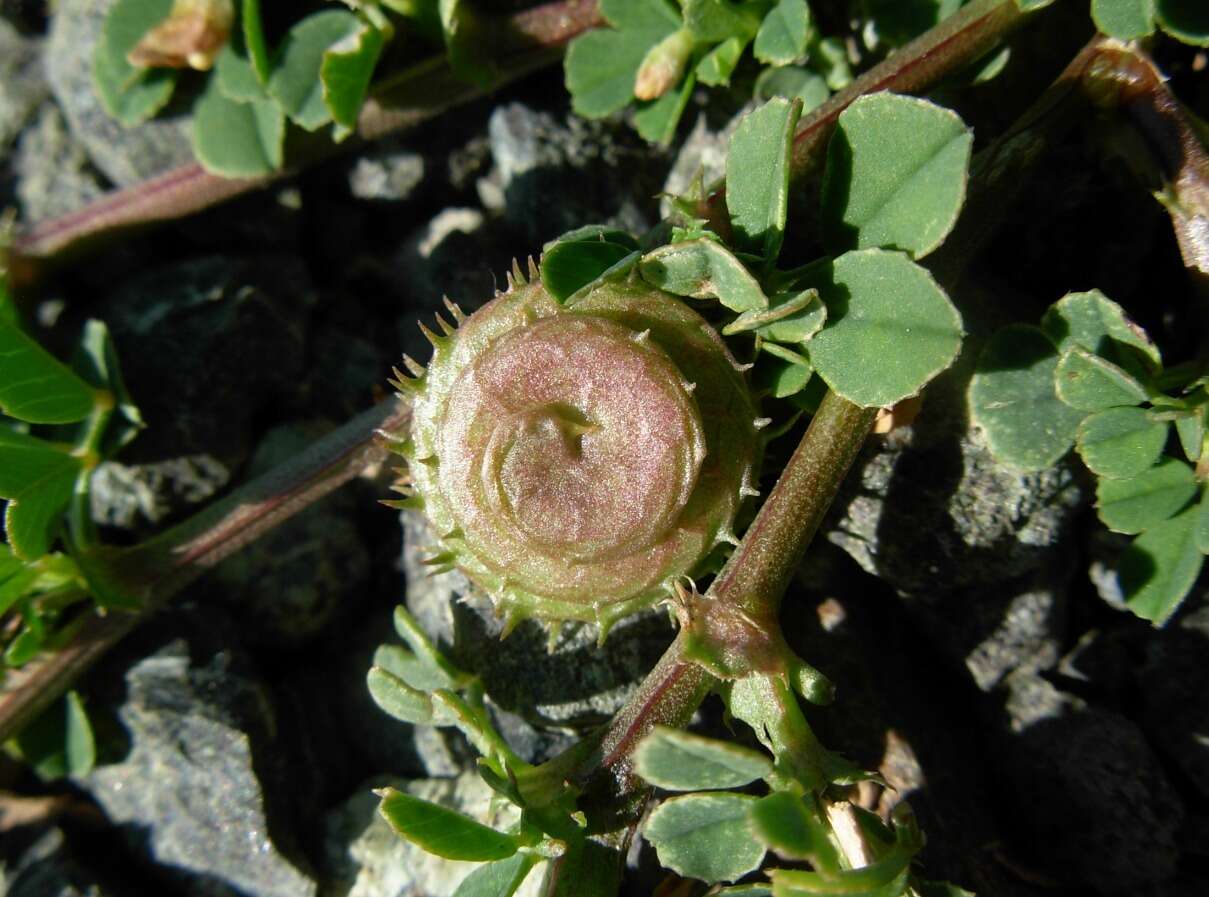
[(317, 75), (1185, 20), (57, 422), (1091, 378)]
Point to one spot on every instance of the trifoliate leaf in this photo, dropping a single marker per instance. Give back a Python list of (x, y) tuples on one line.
[(1012, 398), (798, 326), (237, 140), (499, 879), (792, 82), (131, 95), (829, 58), (1124, 19), (402, 663), (38, 480), (703, 269), (348, 66), (680, 761), (640, 15), (1091, 383), (569, 265), (296, 81), (1121, 442), (890, 328), (705, 836), (1187, 20), (34, 385), (442, 831), (236, 78), (895, 175), (1158, 570), (1094, 322), (780, 377), (783, 33), (757, 177), (1139, 502)]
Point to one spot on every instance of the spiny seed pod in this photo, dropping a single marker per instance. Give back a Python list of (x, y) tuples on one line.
[(578, 459)]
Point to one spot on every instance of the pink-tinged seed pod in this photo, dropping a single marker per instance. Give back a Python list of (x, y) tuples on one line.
[(578, 459)]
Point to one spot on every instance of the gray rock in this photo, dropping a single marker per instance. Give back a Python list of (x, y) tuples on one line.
[(365, 858), (567, 682), (538, 159), (206, 345), (1175, 691), (289, 585), (54, 175), (22, 82), (132, 496), (187, 793), (125, 155), (929, 510), (386, 174), (1090, 798)]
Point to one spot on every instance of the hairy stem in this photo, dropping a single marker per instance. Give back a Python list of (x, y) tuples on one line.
[(151, 573), (523, 43)]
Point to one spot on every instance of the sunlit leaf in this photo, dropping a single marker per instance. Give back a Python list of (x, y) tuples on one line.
[(703, 269), (348, 67), (656, 120), (890, 328), (783, 33), (1121, 442), (237, 140), (1125, 19), (254, 42), (442, 831), (79, 743), (1094, 322), (498, 879), (394, 695), (1160, 567), (130, 94), (34, 385), (716, 67), (1091, 383), (895, 175), (791, 825), (296, 81), (37, 479), (705, 836), (1139, 502), (757, 177), (680, 761)]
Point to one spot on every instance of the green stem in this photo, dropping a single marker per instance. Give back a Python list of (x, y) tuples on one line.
[(753, 581), (151, 573)]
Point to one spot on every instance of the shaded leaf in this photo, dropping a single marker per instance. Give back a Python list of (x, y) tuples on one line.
[(1121, 442), (1158, 570), (466, 43), (34, 385), (600, 66), (898, 21), (131, 95), (716, 20), (895, 175), (569, 265), (442, 831), (680, 761), (1094, 322), (1139, 502), (890, 328), (295, 82), (254, 42), (793, 82), (705, 836), (1187, 20), (1091, 383), (1191, 430), (783, 33), (703, 269), (37, 479), (757, 177), (237, 140), (79, 744), (1202, 523), (716, 67), (96, 360), (641, 15), (1012, 398), (236, 78), (781, 377), (799, 325)]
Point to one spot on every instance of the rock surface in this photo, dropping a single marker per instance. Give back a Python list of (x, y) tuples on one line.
[(188, 793), (125, 155), (53, 172), (22, 82), (131, 496)]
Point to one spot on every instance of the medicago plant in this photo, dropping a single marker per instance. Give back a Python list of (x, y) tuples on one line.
[(582, 444)]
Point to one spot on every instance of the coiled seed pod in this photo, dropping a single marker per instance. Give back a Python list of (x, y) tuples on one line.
[(578, 459)]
